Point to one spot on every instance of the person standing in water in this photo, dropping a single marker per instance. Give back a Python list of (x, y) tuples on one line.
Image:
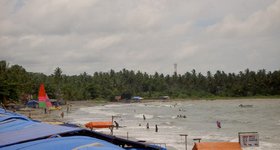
[(156, 128), (144, 117), (117, 124), (218, 124), (147, 125)]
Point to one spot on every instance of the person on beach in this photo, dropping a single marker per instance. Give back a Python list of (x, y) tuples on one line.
[(117, 124), (68, 108), (218, 124), (29, 114), (147, 125), (156, 128), (62, 114), (144, 117)]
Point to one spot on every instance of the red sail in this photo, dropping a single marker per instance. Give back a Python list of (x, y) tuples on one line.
[(42, 93), (48, 102), (43, 97)]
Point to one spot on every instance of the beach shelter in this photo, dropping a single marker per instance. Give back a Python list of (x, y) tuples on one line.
[(217, 146), (43, 97)]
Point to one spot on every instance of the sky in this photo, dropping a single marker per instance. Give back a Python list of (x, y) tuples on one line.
[(146, 35)]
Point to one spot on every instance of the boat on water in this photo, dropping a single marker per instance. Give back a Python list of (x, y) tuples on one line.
[(20, 132), (245, 106), (99, 124)]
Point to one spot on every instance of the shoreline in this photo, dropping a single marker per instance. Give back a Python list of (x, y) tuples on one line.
[(55, 115)]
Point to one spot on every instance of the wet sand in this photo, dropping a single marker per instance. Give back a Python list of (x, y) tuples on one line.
[(55, 115)]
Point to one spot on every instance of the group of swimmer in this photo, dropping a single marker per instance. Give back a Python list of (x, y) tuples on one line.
[(241, 105), (181, 116), (218, 123), (148, 125)]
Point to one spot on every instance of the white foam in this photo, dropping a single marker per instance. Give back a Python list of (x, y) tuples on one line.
[(278, 123), (202, 126), (147, 116), (97, 110)]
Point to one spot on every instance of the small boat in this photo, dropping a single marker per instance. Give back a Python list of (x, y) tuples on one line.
[(99, 124), (245, 106)]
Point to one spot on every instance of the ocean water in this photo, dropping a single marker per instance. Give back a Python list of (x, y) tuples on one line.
[(200, 121)]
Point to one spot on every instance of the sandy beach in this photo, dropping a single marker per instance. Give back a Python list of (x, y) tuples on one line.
[(55, 115)]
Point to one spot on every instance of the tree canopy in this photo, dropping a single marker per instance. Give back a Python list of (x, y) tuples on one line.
[(16, 83)]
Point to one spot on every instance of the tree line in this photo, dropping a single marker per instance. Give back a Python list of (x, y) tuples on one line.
[(17, 84)]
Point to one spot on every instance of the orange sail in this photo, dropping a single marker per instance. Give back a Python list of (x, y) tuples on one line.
[(99, 124)]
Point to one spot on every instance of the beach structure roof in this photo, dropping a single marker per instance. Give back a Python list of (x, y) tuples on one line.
[(11, 123), (20, 132), (66, 143), (137, 98), (5, 113), (32, 103), (217, 146), (16, 130)]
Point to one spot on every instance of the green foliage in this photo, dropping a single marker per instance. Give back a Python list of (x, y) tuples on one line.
[(16, 82)]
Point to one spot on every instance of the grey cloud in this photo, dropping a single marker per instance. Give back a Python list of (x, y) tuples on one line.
[(99, 35)]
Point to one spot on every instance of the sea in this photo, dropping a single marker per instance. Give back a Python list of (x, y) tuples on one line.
[(194, 118)]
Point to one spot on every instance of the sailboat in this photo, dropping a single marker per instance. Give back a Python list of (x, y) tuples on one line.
[(44, 101)]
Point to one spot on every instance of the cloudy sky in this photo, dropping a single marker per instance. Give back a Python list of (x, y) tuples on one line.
[(146, 35)]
